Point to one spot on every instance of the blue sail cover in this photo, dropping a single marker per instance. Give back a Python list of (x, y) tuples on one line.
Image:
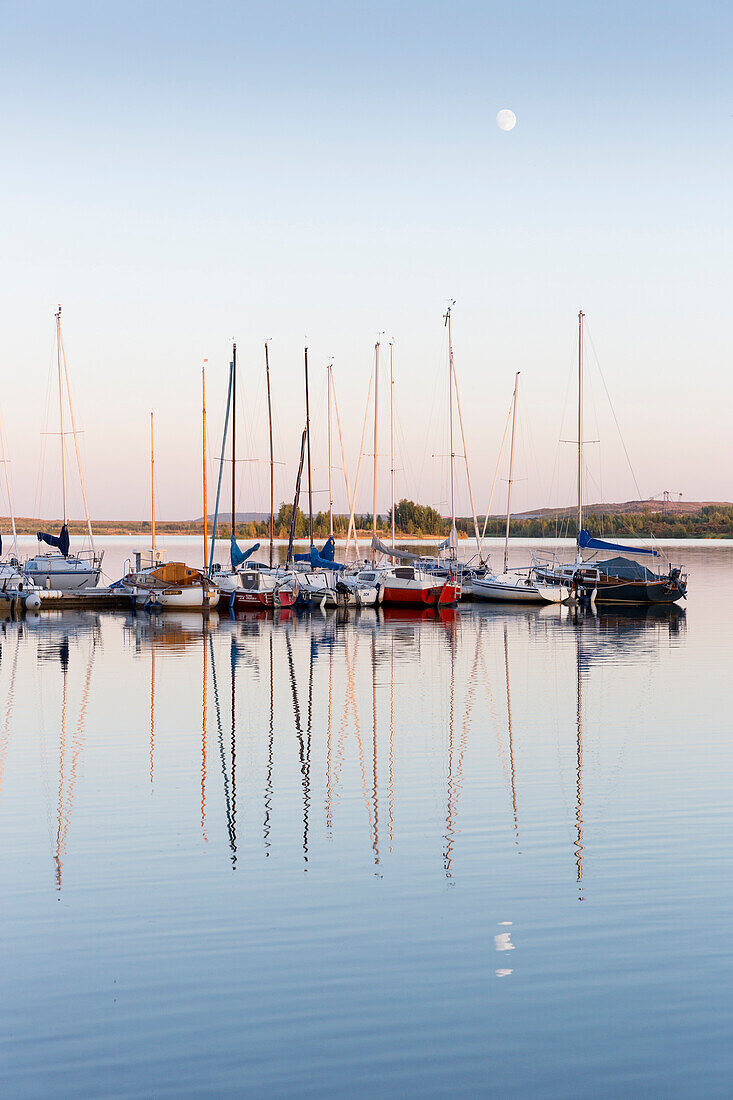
[(319, 562), (60, 541), (328, 550), (325, 556), (240, 556), (587, 542)]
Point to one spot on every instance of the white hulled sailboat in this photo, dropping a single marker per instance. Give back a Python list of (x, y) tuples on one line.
[(59, 569), (516, 585)]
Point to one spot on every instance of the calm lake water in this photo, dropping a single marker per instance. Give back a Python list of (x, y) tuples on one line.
[(485, 853)]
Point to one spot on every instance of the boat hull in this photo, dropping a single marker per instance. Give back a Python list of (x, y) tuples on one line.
[(191, 598), (264, 600), (404, 595), (631, 592), (360, 598), (513, 589), (62, 574), (621, 590)]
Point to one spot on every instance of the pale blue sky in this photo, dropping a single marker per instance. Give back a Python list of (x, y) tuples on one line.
[(180, 174)]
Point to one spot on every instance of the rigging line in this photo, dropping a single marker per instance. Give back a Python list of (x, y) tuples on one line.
[(401, 458), (561, 435), (8, 486), (341, 443), (358, 471), (44, 440), (432, 417), (465, 456), (496, 471), (613, 413), (587, 473), (76, 442), (532, 458)]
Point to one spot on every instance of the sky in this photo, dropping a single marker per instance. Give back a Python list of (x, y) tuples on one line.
[(183, 175)]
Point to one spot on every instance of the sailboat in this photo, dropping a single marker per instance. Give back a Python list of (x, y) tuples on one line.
[(519, 585), (410, 581), (62, 570), (609, 580), (447, 563), (252, 585), (156, 584)]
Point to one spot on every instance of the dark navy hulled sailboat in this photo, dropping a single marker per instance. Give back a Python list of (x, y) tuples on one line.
[(609, 580)]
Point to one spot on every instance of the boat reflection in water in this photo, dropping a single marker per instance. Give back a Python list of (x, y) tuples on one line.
[(342, 729), (57, 642)]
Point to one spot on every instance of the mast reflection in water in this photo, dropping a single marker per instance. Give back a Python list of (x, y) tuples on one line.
[(452, 783)]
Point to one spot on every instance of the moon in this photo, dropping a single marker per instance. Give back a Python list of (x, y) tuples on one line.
[(506, 119)]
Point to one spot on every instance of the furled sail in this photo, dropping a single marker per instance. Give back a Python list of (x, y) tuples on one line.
[(451, 543), (319, 562), (587, 542), (327, 553), (239, 556), (60, 541), (392, 551)]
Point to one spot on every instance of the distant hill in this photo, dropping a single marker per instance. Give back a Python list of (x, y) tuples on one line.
[(632, 507)]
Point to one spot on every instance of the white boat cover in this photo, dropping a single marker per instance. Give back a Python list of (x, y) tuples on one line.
[(392, 551), (451, 543)]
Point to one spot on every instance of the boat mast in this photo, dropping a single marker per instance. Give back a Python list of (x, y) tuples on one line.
[(234, 436), (203, 456), (391, 429), (61, 411), (7, 486), (272, 460), (450, 417), (511, 474), (152, 482), (580, 426), (76, 440), (330, 462), (376, 435), (465, 455), (221, 471), (308, 440), (296, 499), (351, 500)]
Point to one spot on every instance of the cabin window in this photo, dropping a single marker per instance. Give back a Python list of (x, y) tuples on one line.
[(366, 576), (403, 573), (249, 581)]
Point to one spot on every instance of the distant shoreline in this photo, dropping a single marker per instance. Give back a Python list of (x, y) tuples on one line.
[(630, 520)]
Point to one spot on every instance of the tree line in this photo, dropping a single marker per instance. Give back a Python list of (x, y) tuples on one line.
[(421, 521), (417, 520)]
